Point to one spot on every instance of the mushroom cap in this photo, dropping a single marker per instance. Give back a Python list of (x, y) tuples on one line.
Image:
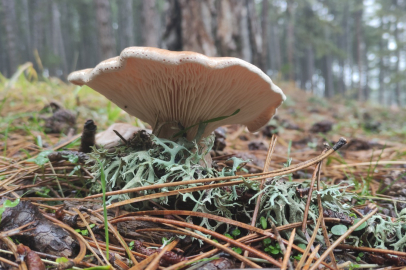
[(186, 88)]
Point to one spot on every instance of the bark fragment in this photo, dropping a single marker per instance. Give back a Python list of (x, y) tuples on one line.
[(45, 237)]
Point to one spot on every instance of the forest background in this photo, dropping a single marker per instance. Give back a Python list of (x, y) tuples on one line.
[(349, 48)]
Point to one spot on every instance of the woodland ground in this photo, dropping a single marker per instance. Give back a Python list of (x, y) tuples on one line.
[(374, 159)]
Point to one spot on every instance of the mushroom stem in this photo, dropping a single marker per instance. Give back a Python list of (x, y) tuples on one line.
[(167, 130)]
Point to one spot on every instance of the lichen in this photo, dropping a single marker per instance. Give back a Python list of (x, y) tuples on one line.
[(282, 204), (134, 165), (148, 160)]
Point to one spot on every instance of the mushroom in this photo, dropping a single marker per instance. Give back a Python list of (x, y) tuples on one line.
[(175, 91)]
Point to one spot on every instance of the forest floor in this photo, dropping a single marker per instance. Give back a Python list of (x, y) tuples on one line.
[(365, 180)]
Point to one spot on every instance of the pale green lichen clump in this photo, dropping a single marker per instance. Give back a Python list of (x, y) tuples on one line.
[(148, 160)]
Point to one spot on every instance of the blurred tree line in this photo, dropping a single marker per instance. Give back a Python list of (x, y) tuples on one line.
[(350, 48)]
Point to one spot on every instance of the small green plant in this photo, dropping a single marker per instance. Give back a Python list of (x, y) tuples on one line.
[(61, 260), (237, 250), (361, 227), (271, 247), (339, 229), (42, 158), (131, 245), (85, 232), (8, 204), (74, 160), (359, 257), (43, 192), (296, 257), (103, 267), (264, 222), (236, 232), (166, 241), (354, 266)]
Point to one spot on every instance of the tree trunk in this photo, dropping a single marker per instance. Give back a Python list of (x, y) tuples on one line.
[(254, 35), (381, 76), (303, 74), (209, 27), (342, 41), (276, 48), (228, 34), (150, 27), (367, 90), (328, 77), (328, 70), (196, 26), (3, 55), (172, 37), (89, 54), (68, 20), (358, 27), (25, 20), (341, 80), (245, 35), (310, 66), (10, 24), (57, 41), (37, 25), (349, 41), (290, 35), (264, 31), (107, 41), (397, 96), (126, 24)]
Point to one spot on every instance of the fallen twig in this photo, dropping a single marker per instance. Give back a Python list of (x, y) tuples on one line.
[(203, 230), (286, 258)]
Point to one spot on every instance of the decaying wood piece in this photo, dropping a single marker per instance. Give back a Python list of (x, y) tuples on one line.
[(61, 120), (46, 236), (88, 137), (64, 155)]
